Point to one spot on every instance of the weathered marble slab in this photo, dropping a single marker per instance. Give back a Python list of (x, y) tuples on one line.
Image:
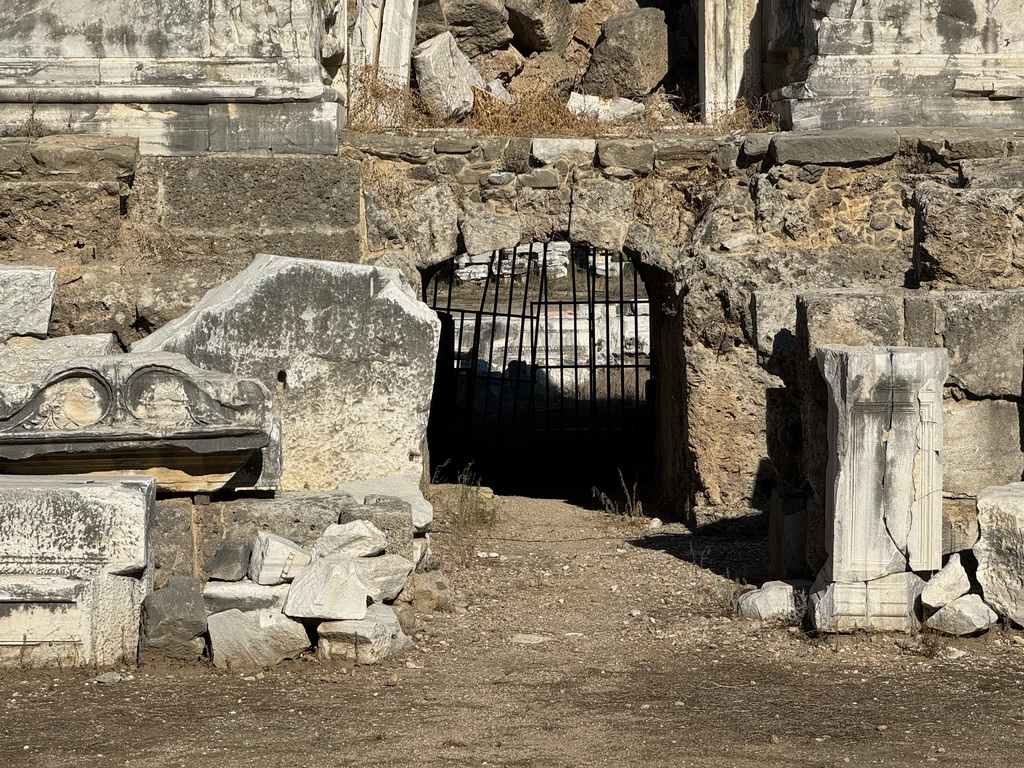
[(347, 350), (158, 414), (26, 300), (75, 565), (888, 604), (884, 490)]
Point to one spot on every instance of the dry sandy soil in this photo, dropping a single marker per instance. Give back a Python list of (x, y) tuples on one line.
[(588, 641)]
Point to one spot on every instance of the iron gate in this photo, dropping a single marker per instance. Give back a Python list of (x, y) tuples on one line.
[(543, 345)]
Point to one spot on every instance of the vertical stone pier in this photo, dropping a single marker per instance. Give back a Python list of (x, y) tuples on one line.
[(884, 503)]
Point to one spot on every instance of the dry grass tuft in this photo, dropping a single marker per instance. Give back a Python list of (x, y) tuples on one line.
[(536, 114)]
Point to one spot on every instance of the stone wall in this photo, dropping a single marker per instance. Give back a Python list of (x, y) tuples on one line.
[(710, 221)]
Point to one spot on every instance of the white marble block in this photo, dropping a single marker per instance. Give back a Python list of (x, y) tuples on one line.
[(76, 563), (884, 503), (885, 604)]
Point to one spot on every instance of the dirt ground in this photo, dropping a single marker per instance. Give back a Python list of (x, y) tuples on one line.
[(588, 640)]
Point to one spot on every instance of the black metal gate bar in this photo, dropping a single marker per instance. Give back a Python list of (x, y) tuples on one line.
[(532, 383)]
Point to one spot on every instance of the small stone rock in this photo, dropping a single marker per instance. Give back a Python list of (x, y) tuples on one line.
[(108, 678), (774, 600), (230, 561), (946, 585), (963, 616), (358, 538), (275, 559)]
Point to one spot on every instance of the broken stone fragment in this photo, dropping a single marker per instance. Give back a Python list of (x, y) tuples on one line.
[(446, 78), (540, 25), (1000, 549), (946, 585), (358, 538), (275, 559), (774, 600), (631, 57), (347, 350), (384, 576), (173, 620), (478, 25), (328, 589), (606, 110), (26, 300), (963, 616), (244, 595), (255, 639), (366, 641), (230, 561)]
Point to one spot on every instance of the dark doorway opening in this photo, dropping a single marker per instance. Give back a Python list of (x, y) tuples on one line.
[(544, 380)]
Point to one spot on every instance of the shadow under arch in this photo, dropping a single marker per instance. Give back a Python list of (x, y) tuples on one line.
[(545, 380)]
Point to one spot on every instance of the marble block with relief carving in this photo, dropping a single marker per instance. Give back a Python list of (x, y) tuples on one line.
[(155, 414), (886, 604), (884, 489)]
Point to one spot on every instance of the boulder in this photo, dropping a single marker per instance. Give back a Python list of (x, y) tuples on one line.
[(774, 600), (445, 77), (1000, 549), (358, 538), (478, 25), (328, 589), (275, 559), (502, 64), (946, 585), (26, 300), (590, 15), (230, 561), (244, 595), (365, 641), (631, 57), (254, 639), (964, 616), (634, 154), (346, 349), (540, 25), (174, 620)]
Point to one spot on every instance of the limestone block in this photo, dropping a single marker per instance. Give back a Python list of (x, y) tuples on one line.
[(857, 146), (174, 618), (366, 641), (964, 616), (635, 154), (540, 25), (328, 589), (774, 600), (614, 110), (569, 152), (446, 78), (488, 227), (275, 559), (888, 604), (982, 445), (75, 565), (884, 491), (244, 596), (969, 237), (254, 639), (405, 487), (946, 585), (478, 25), (154, 413), (384, 576), (347, 351), (26, 300), (230, 561), (393, 516), (358, 538), (632, 55), (596, 217), (1000, 549)]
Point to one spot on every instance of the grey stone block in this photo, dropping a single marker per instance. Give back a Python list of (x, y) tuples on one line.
[(244, 596), (634, 154), (254, 639), (855, 146), (357, 538), (982, 445), (366, 641), (173, 619), (631, 57), (26, 300), (383, 491), (230, 561)]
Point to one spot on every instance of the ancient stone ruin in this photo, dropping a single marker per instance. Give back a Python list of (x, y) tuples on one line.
[(217, 375)]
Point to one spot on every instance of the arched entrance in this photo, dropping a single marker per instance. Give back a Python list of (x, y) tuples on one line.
[(545, 372)]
